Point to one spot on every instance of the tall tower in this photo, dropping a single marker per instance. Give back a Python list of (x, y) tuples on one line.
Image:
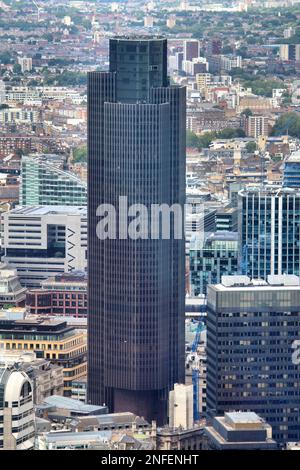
[(136, 148)]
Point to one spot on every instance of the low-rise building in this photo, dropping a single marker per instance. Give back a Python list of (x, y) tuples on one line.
[(54, 341), (239, 431)]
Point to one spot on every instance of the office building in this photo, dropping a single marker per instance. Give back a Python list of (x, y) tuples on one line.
[(136, 287), (239, 431), (212, 258), (63, 295), (43, 241), (46, 378), (191, 49), (252, 330), (291, 171), (52, 340), (17, 430), (45, 183), (227, 219), (269, 231)]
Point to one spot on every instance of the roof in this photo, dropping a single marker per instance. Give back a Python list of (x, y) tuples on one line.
[(45, 210), (243, 417), (71, 405), (89, 436)]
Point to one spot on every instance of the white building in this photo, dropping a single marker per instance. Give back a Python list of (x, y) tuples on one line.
[(25, 63), (17, 430), (42, 241), (181, 406)]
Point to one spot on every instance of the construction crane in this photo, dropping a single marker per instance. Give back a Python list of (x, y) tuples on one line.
[(38, 9), (196, 373)]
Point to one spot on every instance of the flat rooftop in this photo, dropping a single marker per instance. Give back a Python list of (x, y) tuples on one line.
[(240, 283), (48, 210)]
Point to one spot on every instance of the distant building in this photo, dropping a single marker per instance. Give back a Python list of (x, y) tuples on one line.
[(17, 431), (191, 49), (290, 52), (256, 126), (40, 241), (25, 63), (51, 340), (239, 431), (212, 258), (252, 332), (45, 183), (291, 172)]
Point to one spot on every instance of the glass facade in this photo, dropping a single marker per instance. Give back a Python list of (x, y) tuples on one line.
[(44, 183), (217, 256), (136, 148), (269, 229)]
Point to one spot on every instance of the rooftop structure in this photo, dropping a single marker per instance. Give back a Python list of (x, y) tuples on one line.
[(240, 431)]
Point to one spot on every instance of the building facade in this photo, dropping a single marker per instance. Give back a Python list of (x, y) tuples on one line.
[(44, 183), (63, 295), (17, 430), (211, 259), (269, 231), (252, 330), (136, 148), (55, 341), (42, 241)]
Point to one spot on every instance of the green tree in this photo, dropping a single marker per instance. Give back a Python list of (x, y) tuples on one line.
[(251, 147), (80, 154)]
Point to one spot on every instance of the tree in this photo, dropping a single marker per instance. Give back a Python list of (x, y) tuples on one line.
[(247, 112), (191, 139), (288, 123), (80, 154), (251, 147)]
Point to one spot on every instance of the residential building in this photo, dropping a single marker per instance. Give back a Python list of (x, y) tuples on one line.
[(133, 105), (16, 410), (25, 63), (45, 183), (52, 340), (256, 126), (253, 328), (42, 241)]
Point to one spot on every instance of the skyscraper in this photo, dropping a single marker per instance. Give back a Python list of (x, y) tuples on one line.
[(136, 149), (253, 350), (269, 231)]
